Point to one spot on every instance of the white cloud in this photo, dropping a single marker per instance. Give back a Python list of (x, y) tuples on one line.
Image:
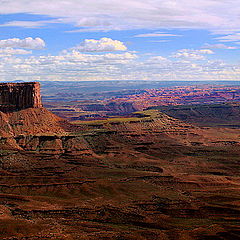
[(229, 38), (192, 54), (10, 51), (98, 60), (157, 34), (157, 59), (101, 45), (25, 24), (159, 41), (218, 46), (74, 65), (92, 22), (90, 15), (204, 51), (27, 43)]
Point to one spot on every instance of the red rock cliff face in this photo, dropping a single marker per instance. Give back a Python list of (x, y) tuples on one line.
[(18, 96)]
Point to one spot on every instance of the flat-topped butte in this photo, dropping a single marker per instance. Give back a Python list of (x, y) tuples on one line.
[(18, 96)]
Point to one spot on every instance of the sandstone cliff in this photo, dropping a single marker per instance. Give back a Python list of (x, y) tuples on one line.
[(17, 96)]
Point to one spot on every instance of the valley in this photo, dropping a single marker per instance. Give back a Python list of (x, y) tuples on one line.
[(106, 100), (143, 174)]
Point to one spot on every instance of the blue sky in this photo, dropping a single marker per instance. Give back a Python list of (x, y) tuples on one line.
[(74, 40)]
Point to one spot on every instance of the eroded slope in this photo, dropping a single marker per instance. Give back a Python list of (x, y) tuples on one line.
[(151, 177)]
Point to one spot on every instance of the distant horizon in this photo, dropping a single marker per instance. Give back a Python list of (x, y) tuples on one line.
[(157, 81)]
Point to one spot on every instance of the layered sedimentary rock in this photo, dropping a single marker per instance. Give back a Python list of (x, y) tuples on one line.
[(18, 96)]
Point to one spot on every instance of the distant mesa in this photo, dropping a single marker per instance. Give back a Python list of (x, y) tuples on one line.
[(18, 96)]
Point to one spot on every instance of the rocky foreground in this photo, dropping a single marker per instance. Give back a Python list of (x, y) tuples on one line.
[(148, 177)]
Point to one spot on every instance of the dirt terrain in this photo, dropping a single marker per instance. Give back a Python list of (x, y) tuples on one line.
[(146, 177)]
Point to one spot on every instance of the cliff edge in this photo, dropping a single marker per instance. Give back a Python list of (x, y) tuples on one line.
[(22, 115), (18, 96)]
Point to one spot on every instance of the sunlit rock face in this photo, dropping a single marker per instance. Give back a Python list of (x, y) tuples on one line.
[(18, 96)]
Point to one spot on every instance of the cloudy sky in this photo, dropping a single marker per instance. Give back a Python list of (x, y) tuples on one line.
[(119, 40)]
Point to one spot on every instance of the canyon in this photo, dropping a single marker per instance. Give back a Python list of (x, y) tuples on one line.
[(142, 175), (79, 101)]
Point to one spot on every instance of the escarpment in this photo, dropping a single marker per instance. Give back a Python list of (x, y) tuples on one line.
[(26, 125), (38, 130), (18, 96)]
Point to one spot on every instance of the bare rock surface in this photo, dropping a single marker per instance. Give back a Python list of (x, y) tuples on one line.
[(17, 96)]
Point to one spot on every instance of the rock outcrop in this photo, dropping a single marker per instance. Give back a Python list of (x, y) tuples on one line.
[(18, 96), (22, 115)]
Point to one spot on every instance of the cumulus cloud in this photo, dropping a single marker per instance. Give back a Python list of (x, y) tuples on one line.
[(192, 54), (76, 56), (70, 65), (27, 43), (157, 59), (134, 14), (10, 51), (101, 45), (73, 65)]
